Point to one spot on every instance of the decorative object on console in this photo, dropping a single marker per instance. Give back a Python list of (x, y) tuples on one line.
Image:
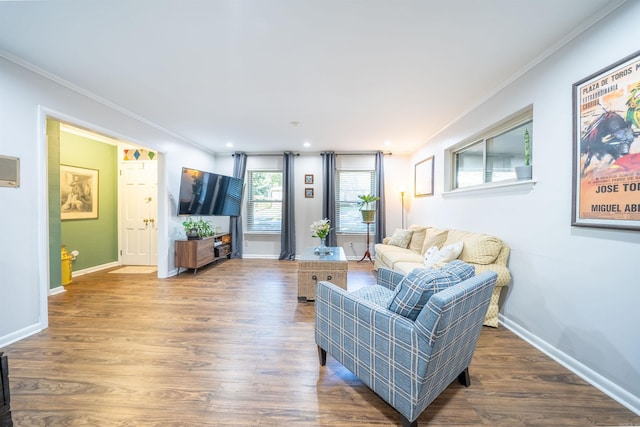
[(198, 229)]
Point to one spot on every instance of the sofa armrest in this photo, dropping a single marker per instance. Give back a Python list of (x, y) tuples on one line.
[(504, 276), (389, 278)]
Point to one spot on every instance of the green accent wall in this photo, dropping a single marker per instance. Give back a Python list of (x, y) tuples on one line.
[(53, 164), (95, 239)]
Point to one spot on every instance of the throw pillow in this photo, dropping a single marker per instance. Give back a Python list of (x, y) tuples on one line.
[(478, 248), (433, 237), (401, 238), (448, 253), (417, 238), (420, 284)]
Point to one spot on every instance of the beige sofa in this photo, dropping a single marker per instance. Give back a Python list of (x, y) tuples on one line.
[(483, 251)]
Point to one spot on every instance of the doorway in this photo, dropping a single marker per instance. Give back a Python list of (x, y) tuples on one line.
[(138, 212), (133, 217)]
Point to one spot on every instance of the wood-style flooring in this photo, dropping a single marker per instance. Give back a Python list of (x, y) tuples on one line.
[(232, 346)]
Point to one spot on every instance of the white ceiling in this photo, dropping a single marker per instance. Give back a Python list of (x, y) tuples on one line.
[(352, 73)]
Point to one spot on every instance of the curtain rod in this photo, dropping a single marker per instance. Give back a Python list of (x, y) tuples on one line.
[(337, 153), (357, 153), (265, 154)]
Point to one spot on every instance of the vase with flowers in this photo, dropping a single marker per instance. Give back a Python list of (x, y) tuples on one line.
[(321, 229)]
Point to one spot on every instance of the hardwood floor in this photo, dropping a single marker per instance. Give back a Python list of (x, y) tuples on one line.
[(232, 346)]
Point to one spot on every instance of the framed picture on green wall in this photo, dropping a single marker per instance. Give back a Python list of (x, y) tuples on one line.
[(78, 193)]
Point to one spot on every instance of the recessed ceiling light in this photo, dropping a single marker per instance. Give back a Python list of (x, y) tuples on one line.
[(229, 144), (307, 144), (387, 143)]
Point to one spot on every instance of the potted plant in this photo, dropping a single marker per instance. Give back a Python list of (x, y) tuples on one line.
[(367, 207), (197, 229), (524, 172)]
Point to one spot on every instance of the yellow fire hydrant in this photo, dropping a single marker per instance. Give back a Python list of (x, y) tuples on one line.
[(66, 265)]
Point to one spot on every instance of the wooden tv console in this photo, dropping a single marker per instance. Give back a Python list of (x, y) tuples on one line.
[(198, 253)]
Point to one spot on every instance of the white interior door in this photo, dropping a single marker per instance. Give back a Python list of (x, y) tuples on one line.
[(139, 181)]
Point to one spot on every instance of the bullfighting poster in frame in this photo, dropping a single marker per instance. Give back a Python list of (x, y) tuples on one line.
[(606, 147)]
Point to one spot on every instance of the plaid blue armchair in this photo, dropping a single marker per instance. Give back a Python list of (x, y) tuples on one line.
[(407, 363)]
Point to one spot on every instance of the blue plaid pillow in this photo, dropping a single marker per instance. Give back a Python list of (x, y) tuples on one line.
[(415, 289)]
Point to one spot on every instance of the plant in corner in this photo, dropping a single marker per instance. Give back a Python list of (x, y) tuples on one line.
[(197, 229), (367, 208)]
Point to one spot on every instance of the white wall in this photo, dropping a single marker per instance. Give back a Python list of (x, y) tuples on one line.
[(575, 291), (27, 98)]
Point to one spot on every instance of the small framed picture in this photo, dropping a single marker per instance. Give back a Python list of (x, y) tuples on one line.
[(78, 193), (308, 179), (308, 193), (423, 178)]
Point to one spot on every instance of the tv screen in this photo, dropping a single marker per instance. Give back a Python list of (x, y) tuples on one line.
[(207, 193)]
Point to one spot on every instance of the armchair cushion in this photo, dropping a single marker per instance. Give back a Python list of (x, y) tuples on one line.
[(420, 284), (376, 294)]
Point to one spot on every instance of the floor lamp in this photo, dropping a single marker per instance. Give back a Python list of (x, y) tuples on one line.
[(402, 190)]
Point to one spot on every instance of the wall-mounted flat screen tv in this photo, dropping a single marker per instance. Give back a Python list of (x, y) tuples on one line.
[(207, 193)]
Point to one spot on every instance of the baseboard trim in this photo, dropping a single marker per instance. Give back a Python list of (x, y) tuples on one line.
[(94, 269), (21, 334), (259, 256), (58, 290), (617, 393)]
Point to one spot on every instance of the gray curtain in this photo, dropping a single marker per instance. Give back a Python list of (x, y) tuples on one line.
[(381, 217), (329, 194), (288, 226), (235, 222)]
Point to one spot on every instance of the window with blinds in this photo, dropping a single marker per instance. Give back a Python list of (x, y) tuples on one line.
[(350, 184), (264, 200)]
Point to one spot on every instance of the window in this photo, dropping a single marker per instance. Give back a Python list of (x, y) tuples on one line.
[(493, 156), (264, 200), (350, 184)]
